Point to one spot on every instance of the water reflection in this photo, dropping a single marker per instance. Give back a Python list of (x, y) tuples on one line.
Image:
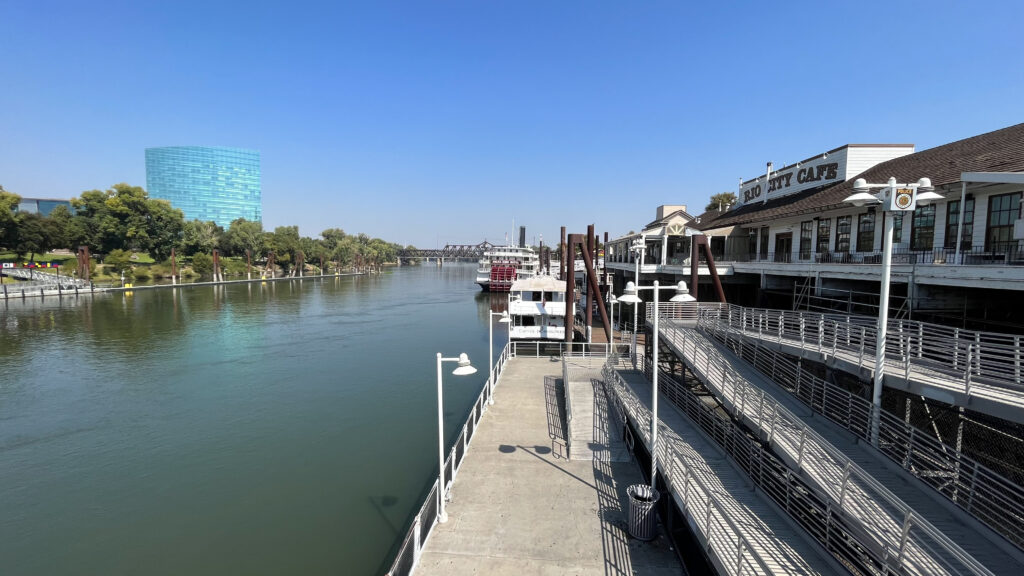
[(226, 420)]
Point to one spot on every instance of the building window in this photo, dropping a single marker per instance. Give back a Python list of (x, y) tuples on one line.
[(843, 224), (764, 243), (952, 220), (866, 232), (1002, 211), (806, 230), (922, 228), (752, 242), (824, 231), (897, 226)]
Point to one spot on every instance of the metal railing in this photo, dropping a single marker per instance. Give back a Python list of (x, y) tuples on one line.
[(423, 522), (984, 493), (722, 538), (886, 527), (1003, 254), (549, 348), (952, 358)]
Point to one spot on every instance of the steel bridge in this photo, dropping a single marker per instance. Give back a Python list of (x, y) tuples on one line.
[(450, 251)]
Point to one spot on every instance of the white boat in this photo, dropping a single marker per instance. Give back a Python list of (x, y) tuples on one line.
[(503, 265), (537, 308)]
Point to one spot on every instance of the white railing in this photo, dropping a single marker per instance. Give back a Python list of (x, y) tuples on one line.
[(954, 357), (978, 489), (722, 538), (888, 526), (423, 522)]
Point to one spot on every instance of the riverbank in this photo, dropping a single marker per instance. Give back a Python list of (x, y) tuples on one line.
[(21, 294)]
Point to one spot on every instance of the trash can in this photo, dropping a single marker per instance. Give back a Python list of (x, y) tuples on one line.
[(643, 519)]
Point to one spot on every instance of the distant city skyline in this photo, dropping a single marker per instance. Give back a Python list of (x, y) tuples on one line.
[(429, 124)]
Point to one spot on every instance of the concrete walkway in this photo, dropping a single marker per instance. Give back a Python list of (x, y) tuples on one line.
[(518, 506)]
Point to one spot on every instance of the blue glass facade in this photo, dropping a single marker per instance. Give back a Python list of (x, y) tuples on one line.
[(207, 182), (42, 206)]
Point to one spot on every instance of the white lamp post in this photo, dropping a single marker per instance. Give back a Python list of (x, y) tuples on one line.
[(464, 369), (629, 295), (505, 319), (612, 302), (638, 249), (891, 197)]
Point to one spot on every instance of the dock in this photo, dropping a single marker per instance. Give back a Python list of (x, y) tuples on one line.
[(520, 506)]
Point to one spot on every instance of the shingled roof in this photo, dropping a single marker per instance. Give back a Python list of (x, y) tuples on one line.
[(998, 151)]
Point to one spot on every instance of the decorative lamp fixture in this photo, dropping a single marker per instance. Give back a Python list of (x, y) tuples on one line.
[(629, 294), (682, 293), (862, 198), (465, 368)]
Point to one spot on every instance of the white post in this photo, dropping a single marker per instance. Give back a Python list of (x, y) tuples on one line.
[(636, 306), (442, 516), (960, 222), (490, 357), (611, 320), (654, 398), (883, 319)]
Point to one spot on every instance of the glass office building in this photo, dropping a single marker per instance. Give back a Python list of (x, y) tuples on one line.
[(42, 206), (207, 182)]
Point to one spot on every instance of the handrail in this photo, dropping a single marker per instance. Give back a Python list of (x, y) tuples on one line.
[(956, 357), (974, 487), (709, 501), (777, 426), (423, 522)]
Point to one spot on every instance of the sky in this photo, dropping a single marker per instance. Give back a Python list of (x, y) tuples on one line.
[(429, 123)]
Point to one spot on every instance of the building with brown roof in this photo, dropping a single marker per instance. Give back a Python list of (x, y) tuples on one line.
[(792, 241)]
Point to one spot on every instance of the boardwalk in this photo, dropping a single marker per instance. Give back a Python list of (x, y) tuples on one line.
[(852, 475), (743, 532), (976, 370), (520, 507)]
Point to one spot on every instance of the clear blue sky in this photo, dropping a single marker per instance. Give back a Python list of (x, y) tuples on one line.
[(436, 122)]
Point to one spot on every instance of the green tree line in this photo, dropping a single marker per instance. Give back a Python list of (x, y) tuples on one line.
[(124, 219)]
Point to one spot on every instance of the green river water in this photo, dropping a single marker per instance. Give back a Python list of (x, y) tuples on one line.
[(280, 428)]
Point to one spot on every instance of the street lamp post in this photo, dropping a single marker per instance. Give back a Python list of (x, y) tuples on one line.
[(505, 319), (464, 369), (891, 197), (629, 295), (637, 248), (612, 302)]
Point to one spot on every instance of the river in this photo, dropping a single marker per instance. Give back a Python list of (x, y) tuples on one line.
[(279, 428)]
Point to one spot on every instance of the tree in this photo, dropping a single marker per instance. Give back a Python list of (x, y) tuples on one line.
[(202, 263), (124, 217), (166, 225), (119, 261), (198, 236), (244, 235), (284, 241), (35, 235), (721, 201), (332, 236), (8, 224)]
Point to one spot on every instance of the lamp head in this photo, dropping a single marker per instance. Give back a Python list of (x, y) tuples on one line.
[(629, 294), (862, 198), (927, 197), (860, 185), (465, 368), (682, 293), (925, 184), (505, 319)]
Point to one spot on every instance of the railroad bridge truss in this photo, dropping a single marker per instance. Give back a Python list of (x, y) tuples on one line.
[(449, 252)]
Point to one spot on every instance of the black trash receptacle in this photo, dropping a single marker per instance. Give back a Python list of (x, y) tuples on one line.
[(643, 520)]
